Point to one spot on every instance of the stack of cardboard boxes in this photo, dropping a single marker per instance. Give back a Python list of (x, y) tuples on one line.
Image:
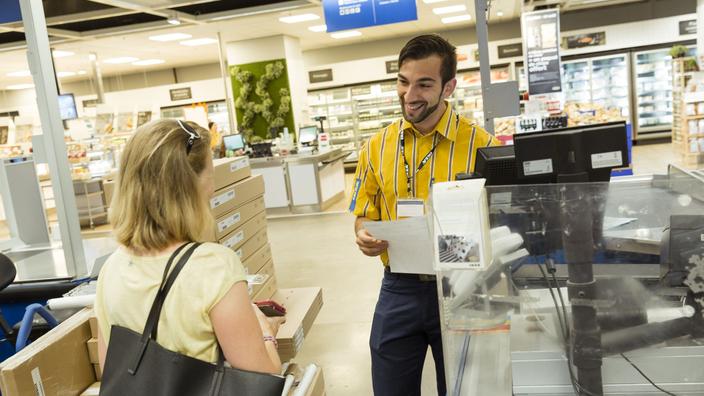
[(240, 224)]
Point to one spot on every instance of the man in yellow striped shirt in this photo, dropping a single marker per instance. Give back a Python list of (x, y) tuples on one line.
[(396, 169)]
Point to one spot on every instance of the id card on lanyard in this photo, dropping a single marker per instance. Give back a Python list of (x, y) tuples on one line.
[(411, 206)]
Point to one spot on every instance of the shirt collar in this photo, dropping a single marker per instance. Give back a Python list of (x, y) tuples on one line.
[(447, 126)]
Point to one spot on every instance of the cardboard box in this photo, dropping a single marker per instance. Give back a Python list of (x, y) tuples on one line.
[(238, 237), (253, 244), (302, 307), (93, 390), (57, 363), (267, 291), (234, 195), (93, 327), (92, 345), (230, 170), (256, 261), (98, 372), (236, 218), (266, 271)]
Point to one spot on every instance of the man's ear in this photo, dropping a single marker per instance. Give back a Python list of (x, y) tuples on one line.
[(449, 88)]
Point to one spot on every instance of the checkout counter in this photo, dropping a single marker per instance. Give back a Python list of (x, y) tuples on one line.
[(507, 330), (301, 183)]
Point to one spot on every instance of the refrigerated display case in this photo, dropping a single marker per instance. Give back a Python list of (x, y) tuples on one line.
[(653, 92), (576, 81)]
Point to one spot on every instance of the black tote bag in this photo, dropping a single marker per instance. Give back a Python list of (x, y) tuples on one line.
[(136, 365)]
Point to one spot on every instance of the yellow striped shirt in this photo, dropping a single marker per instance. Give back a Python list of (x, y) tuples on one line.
[(381, 177)]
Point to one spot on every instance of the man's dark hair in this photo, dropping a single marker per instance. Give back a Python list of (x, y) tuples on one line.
[(421, 47)]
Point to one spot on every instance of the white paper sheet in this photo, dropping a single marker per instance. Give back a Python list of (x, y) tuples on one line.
[(410, 244)]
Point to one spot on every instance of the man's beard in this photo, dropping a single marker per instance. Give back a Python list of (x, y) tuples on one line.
[(422, 116)]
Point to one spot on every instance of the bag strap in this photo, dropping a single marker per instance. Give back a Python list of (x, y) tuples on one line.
[(150, 328)]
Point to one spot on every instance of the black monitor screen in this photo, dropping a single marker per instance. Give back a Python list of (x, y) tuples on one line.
[(67, 107), (233, 142), (576, 154), (307, 134)]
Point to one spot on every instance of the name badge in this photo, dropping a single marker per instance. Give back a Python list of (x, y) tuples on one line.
[(410, 208)]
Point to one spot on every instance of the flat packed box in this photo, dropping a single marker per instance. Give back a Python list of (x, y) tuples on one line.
[(230, 170), (92, 345), (236, 218), (266, 272), (302, 307), (316, 387), (232, 196), (93, 390), (267, 291), (238, 237), (256, 261), (252, 245), (55, 364)]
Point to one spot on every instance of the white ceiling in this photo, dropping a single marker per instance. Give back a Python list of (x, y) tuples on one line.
[(242, 28)]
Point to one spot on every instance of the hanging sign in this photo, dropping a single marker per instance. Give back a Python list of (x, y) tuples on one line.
[(688, 27), (584, 40), (510, 50), (352, 14), (180, 93), (541, 37), (10, 11)]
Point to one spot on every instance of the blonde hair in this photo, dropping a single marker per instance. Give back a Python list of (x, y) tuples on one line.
[(158, 197)]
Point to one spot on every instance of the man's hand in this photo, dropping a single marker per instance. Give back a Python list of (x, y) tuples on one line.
[(369, 245)]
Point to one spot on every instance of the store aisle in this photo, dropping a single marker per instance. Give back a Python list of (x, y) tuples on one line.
[(319, 250)]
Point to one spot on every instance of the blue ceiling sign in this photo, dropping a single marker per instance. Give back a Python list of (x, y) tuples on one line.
[(10, 11), (352, 14)]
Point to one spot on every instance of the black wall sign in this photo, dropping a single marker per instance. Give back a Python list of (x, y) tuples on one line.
[(180, 93), (392, 67), (584, 40), (541, 35), (319, 76), (688, 27), (510, 50)]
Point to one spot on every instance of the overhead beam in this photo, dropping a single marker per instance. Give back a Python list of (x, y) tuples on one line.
[(164, 13), (250, 11)]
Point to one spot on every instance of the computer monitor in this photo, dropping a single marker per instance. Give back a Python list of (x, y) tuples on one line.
[(67, 107), (233, 142), (568, 155), (307, 135)]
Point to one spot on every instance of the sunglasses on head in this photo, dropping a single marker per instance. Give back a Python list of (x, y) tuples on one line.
[(192, 135)]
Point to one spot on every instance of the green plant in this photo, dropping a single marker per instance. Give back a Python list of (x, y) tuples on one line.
[(249, 109), (690, 65), (678, 51)]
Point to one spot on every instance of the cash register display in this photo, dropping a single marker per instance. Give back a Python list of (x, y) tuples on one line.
[(233, 142), (307, 135)]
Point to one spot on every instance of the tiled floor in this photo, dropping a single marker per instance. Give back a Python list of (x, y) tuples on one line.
[(320, 251)]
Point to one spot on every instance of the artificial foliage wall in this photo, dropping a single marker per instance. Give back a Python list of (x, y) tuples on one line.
[(262, 98)]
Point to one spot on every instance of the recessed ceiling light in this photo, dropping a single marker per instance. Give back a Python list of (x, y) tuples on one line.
[(148, 62), (170, 37), (200, 41), (174, 19), (20, 73), (346, 34), (456, 18), (449, 9), (433, 1), (123, 59), (499, 13), (62, 54), (81, 72), (299, 18), (318, 28), (65, 74), (19, 86)]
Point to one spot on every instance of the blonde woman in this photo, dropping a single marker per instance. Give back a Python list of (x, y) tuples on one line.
[(161, 202)]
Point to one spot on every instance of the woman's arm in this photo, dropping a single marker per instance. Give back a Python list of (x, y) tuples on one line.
[(241, 332)]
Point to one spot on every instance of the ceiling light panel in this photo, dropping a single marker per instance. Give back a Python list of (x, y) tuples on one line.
[(346, 34), (170, 37), (318, 28), (62, 54), (456, 18), (149, 62), (19, 86), (449, 9), (20, 73), (63, 74), (200, 41), (120, 60), (299, 18)]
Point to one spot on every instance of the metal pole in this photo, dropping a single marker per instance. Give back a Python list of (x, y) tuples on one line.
[(482, 28), (228, 85), (700, 33), (98, 77), (40, 63)]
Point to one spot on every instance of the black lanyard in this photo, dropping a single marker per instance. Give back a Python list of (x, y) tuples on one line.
[(420, 166)]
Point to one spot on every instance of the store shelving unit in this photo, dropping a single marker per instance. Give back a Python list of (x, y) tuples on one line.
[(688, 116)]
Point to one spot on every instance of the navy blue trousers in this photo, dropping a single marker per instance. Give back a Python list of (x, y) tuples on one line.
[(406, 321)]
